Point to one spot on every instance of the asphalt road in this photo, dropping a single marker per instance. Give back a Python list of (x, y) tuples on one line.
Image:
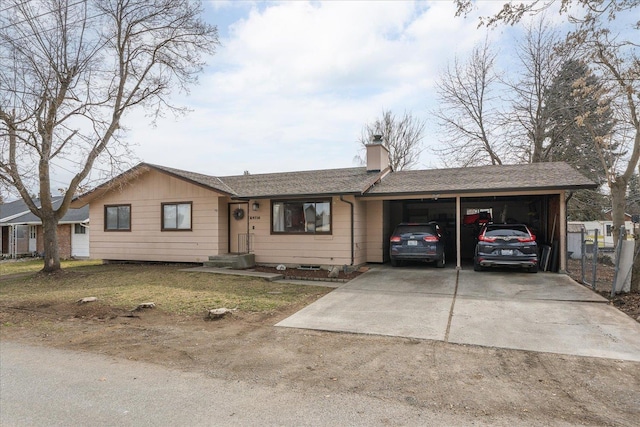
[(48, 387)]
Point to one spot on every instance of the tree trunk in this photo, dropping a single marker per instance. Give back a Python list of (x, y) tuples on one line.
[(618, 204), (51, 254)]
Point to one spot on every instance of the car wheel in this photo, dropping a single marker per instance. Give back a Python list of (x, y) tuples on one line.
[(476, 266), (533, 269), (441, 262), (394, 262)]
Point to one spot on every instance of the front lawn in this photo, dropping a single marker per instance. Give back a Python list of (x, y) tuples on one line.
[(173, 291), (26, 265)]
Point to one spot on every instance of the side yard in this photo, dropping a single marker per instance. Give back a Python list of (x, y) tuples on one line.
[(627, 303)]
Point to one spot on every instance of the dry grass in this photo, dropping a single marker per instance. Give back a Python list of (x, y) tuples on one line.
[(173, 291), (28, 265)]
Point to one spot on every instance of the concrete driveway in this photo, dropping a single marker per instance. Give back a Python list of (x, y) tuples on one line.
[(543, 312)]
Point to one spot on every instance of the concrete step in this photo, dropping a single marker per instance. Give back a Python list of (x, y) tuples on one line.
[(235, 261), (219, 264), (247, 273)]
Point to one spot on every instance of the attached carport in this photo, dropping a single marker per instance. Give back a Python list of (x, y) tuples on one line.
[(534, 194)]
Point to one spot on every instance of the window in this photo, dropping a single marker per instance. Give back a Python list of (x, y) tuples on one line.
[(79, 229), (117, 218), (301, 217), (474, 216), (609, 229), (176, 216)]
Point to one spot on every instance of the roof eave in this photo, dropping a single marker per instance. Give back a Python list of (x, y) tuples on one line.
[(86, 198), (10, 217), (489, 190), (296, 195), (178, 176), (127, 176)]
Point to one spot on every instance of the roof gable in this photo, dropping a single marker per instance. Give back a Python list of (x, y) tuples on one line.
[(206, 181)]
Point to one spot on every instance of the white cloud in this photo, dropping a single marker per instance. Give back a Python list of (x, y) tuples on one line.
[(293, 83)]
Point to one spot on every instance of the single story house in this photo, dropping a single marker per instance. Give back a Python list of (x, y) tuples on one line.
[(319, 217), (22, 234)]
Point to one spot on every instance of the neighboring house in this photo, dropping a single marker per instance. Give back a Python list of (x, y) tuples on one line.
[(605, 229), (321, 217), (22, 231)]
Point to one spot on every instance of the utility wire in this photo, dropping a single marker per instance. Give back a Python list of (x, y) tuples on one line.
[(38, 16)]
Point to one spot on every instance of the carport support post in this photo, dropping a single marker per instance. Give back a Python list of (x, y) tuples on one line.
[(458, 237), (563, 233)]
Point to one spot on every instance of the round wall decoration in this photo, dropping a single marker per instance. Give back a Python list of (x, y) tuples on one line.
[(238, 213)]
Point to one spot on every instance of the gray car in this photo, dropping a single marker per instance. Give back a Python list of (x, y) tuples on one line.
[(506, 245), (417, 242)]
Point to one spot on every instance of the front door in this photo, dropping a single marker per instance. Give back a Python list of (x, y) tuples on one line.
[(33, 233), (239, 228)]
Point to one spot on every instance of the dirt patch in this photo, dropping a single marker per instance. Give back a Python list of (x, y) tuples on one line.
[(488, 383), (628, 303)]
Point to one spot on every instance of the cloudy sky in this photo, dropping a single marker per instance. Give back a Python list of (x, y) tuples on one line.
[(293, 82)]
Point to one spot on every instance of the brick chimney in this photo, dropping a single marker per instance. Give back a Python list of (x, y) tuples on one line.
[(377, 155)]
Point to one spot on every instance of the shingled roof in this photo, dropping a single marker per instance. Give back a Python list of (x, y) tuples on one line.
[(526, 177), (22, 214), (304, 183), (208, 181), (283, 184), (358, 181), (301, 183)]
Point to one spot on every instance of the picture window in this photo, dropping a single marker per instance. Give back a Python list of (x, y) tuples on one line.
[(301, 216)]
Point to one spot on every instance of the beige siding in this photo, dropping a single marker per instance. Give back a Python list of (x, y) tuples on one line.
[(360, 230), (294, 249), (375, 231), (146, 241)]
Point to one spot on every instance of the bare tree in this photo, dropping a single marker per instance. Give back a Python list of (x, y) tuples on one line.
[(617, 58), (624, 77), (541, 56), (401, 135), (468, 114), (71, 71)]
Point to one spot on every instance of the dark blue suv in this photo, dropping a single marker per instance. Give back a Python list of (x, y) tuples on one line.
[(417, 242), (506, 245)]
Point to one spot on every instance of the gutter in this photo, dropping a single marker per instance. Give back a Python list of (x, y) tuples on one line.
[(352, 231)]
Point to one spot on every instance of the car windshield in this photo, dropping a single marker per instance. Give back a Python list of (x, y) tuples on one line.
[(515, 230), (415, 229)]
